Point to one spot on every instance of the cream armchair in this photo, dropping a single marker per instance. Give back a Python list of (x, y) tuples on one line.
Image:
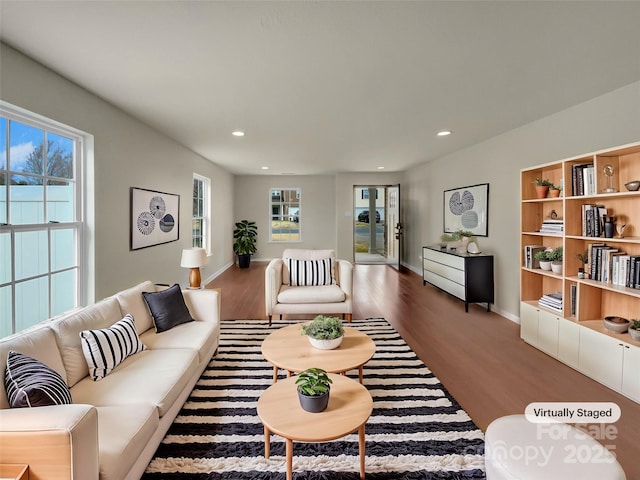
[(309, 282)]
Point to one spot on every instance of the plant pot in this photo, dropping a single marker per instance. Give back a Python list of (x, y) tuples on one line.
[(542, 190), (634, 334), (315, 404), (244, 261), (325, 344), (554, 192), (544, 265), (556, 267)]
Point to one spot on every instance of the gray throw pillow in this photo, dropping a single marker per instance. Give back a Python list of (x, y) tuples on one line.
[(168, 308), (31, 383)]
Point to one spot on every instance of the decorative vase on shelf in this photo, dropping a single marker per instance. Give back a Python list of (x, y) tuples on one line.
[(609, 227)]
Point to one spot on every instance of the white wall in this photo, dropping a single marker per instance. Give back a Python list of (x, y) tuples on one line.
[(127, 153), (604, 122)]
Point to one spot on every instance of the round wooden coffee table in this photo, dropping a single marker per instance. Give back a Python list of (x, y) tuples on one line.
[(350, 405), (286, 348)]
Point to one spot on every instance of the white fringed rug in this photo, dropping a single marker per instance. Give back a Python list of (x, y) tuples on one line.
[(416, 431)]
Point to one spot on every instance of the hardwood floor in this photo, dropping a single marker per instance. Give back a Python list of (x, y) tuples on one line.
[(478, 356)]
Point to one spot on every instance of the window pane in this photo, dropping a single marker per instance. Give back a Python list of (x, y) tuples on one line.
[(61, 255), (26, 200), (3, 143), (5, 311), (3, 198), (285, 215), (63, 289), (25, 154), (5, 257), (60, 196), (31, 257), (59, 156), (31, 302)]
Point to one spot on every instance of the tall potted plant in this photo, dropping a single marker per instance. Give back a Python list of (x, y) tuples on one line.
[(245, 236)]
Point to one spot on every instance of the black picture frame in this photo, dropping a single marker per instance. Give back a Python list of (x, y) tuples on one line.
[(467, 208), (155, 218)]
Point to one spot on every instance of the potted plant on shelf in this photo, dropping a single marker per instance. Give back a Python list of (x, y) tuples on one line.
[(313, 385), (324, 333), (542, 187), (634, 330), (554, 190), (556, 260), (584, 258), (245, 236), (544, 257)]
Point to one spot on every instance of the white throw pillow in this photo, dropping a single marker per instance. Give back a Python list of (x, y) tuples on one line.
[(105, 349)]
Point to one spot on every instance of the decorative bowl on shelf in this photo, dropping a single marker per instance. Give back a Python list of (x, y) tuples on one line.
[(616, 324), (632, 186)]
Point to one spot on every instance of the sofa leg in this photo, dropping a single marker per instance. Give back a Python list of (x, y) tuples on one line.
[(349, 317), (270, 320)]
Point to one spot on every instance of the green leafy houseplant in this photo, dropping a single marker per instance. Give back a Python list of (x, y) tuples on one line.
[(323, 328), (245, 237), (556, 255), (634, 329), (544, 255), (540, 182), (313, 382), (457, 235)]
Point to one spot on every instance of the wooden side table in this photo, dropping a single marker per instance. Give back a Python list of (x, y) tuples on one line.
[(14, 472), (350, 406)]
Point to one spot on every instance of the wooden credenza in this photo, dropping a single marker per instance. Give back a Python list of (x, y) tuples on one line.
[(466, 276)]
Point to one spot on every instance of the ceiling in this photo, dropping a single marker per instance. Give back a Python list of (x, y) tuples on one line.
[(323, 87)]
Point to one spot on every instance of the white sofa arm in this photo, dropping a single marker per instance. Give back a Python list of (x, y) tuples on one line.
[(203, 304), (345, 277), (57, 442), (272, 283)]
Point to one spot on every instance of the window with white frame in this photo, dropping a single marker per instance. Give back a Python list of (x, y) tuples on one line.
[(40, 219), (200, 221), (284, 205)]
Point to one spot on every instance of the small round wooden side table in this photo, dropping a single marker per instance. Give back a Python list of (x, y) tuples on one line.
[(350, 406)]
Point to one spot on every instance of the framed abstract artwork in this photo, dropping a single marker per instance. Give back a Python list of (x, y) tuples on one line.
[(467, 208), (154, 218)]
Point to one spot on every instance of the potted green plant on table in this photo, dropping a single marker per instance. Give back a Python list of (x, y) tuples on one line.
[(313, 385), (556, 260), (324, 332), (542, 187), (545, 258), (245, 236), (634, 330)]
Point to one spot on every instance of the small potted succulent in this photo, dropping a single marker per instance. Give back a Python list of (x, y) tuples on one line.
[(542, 187), (313, 385), (325, 333), (584, 258), (556, 260), (634, 330), (554, 190), (545, 258)]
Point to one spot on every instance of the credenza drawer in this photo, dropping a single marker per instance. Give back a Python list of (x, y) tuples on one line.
[(445, 271), (444, 258), (445, 284)]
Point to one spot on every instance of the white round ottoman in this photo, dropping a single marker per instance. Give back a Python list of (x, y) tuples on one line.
[(518, 449)]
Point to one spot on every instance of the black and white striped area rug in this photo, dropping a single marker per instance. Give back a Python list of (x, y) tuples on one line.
[(416, 431)]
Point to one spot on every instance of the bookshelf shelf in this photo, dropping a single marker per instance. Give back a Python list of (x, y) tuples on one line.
[(580, 213)]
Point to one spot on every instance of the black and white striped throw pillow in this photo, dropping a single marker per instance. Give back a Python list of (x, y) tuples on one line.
[(310, 272), (31, 383), (105, 349)]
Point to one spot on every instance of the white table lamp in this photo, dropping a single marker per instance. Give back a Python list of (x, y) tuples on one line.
[(194, 258)]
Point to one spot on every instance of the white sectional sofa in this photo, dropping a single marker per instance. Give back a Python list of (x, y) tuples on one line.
[(114, 425)]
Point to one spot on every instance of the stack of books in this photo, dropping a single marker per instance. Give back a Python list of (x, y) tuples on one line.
[(592, 220), (551, 301), (552, 227), (583, 179), (529, 256)]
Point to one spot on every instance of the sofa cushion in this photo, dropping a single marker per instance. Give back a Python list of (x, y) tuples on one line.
[(131, 302), (151, 377), (303, 254), (106, 348), (201, 336), (324, 294), (123, 435), (167, 308), (67, 330), (31, 383), (310, 272)]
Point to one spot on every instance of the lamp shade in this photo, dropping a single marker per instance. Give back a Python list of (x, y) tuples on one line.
[(193, 258)]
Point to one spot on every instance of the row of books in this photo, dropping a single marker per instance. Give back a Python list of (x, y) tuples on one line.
[(552, 227), (529, 256), (552, 301), (610, 265), (593, 220), (583, 179)]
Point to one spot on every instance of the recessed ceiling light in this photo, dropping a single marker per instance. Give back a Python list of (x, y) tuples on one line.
[(237, 133), (444, 133), (264, 168), (380, 168)]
